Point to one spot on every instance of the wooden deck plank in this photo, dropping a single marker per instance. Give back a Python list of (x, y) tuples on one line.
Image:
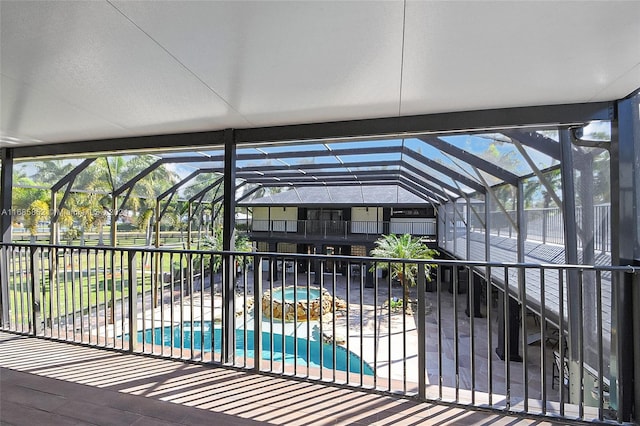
[(31, 368)]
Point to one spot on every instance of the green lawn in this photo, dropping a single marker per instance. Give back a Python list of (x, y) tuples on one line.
[(84, 282)]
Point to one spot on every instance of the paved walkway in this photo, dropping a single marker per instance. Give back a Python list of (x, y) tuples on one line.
[(51, 383)]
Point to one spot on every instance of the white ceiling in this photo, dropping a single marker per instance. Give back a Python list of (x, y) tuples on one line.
[(90, 70)]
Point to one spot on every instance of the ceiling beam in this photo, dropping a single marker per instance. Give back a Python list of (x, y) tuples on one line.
[(469, 158), (122, 145), (491, 119), (407, 183), (434, 123), (445, 170), (347, 178), (71, 176), (316, 166), (536, 141), (417, 176)]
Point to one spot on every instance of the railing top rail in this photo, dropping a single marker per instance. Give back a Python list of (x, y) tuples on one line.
[(353, 259)]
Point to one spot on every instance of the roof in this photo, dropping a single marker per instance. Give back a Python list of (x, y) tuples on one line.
[(82, 71), (374, 195)]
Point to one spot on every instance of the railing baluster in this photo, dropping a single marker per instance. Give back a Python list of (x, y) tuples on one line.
[(348, 320), (282, 315), (23, 294), (81, 294), (471, 309), (257, 313), (212, 295), (321, 281), (600, 352), (389, 362), (65, 285), (182, 277), (122, 298), (456, 332), (202, 319), (523, 335), (172, 317), (192, 321), (310, 262), (361, 366), (421, 329), (35, 303), (561, 343), (581, 344), (133, 301), (105, 298), (376, 332), (490, 352), (333, 322), (507, 343), (439, 314), (295, 317), (543, 341), (272, 265), (154, 273), (89, 305)]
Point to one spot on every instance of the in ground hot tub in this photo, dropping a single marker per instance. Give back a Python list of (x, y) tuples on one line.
[(297, 303)]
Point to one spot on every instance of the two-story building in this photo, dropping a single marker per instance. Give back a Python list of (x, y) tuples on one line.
[(340, 220)]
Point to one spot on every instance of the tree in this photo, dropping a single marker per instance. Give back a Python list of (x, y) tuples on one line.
[(403, 247), (37, 212), (215, 244)]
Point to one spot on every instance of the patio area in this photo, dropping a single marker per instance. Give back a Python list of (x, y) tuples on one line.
[(457, 348), (46, 382)]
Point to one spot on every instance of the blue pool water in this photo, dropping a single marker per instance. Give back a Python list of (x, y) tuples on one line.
[(302, 294), (211, 336)]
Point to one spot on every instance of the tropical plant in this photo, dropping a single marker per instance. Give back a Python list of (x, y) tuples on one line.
[(403, 247), (27, 202), (214, 243), (37, 212)]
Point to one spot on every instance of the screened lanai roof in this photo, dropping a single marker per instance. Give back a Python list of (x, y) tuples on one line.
[(423, 168), (370, 195)]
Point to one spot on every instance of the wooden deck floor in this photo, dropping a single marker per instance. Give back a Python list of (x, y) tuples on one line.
[(51, 383)]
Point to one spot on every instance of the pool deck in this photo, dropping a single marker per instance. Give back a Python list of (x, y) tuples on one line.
[(47, 382), (396, 359)]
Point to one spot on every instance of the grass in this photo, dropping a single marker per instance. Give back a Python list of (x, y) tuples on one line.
[(83, 281)]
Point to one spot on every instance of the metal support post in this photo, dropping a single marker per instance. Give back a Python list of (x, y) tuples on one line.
[(574, 292), (114, 221), (55, 225), (189, 225), (6, 186), (228, 244), (625, 250)]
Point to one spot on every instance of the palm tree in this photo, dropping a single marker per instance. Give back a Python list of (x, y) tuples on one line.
[(403, 247)]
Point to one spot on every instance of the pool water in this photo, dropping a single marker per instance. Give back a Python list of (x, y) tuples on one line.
[(211, 336), (301, 293)]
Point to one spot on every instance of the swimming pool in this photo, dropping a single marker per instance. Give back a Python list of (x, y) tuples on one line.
[(211, 336)]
